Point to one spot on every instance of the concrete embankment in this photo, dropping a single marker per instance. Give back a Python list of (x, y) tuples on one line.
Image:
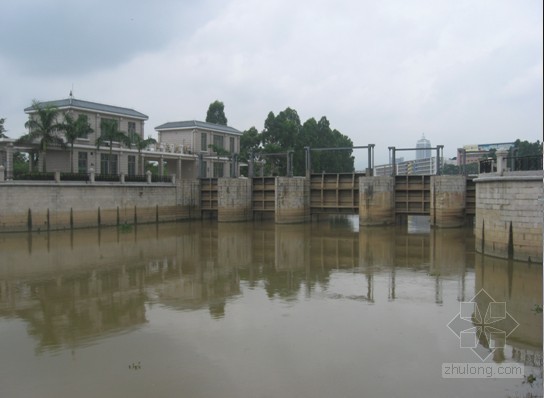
[(509, 215), (51, 206)]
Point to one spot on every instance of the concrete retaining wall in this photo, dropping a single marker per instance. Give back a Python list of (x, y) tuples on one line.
[(509, 216), (47, 206)]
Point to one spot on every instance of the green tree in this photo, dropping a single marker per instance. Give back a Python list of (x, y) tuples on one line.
[(216, 113), (110, 133), (280, 134), (74, 129), (20, 163), (450, 169), (2, 128), (284, 132), (526, 148), (320, 135), (140, 145), (250, 141), (43, 127), (281, 130)]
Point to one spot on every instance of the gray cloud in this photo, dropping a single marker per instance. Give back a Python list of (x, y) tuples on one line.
[(462, 72), (72, 37)]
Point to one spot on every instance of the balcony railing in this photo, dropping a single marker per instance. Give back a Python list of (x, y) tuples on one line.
[(35, 176), (91, 177), (156, 178)]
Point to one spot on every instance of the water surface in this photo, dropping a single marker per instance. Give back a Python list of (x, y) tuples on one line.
[(253, 310)]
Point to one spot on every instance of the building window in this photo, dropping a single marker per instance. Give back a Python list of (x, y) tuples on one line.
[(231, 144), (102, 127), (105, 165), (131, 165), (203, 167), (85, 121), (218, 169), (82, 162), (218, 141), (203, 142), (131, 130)]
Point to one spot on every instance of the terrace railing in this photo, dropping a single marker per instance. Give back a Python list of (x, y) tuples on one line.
[(487, 166), (91, 177), (524, 163), (513, 163)]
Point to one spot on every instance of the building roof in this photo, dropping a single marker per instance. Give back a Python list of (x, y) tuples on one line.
[(195, 124), (91, 106)]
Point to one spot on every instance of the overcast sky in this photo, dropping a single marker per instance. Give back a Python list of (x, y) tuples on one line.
[(383, 72)]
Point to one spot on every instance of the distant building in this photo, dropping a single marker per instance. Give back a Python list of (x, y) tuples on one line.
[(425, 151), (408, 167), (424, 163), (474, 153)]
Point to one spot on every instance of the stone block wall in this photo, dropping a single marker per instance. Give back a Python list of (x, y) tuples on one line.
[(509, 216)]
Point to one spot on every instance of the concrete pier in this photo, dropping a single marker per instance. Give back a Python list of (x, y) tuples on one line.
[(376, 201), (234, 199), (448, 197), (292, 200)]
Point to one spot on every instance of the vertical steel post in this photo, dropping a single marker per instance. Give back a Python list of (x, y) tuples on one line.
[(393, 160), (438, 150), (370, 171), (289, 163), (200, 160), (308, 161), (251, 170)]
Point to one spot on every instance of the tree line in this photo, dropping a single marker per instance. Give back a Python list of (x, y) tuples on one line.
[(285, 132)]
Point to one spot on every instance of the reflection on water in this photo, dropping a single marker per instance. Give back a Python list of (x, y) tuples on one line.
[(418, 224), (329, 288)]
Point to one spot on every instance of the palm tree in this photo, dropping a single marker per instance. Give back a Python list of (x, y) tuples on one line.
[(74, 129), (2, 129), (109, 133), (141, 144), (45, 128)]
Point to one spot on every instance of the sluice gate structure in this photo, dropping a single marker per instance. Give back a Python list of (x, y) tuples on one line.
[(448, 200)]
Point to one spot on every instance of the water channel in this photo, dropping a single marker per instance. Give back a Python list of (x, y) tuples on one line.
[(201, 309)]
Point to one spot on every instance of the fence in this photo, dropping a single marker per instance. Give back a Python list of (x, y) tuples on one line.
[(92, 177), (516, 163)]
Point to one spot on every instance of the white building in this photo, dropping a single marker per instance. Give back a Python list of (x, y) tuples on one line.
[(186, 149)]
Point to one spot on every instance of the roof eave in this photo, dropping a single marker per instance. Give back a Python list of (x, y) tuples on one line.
[(31, 110)]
